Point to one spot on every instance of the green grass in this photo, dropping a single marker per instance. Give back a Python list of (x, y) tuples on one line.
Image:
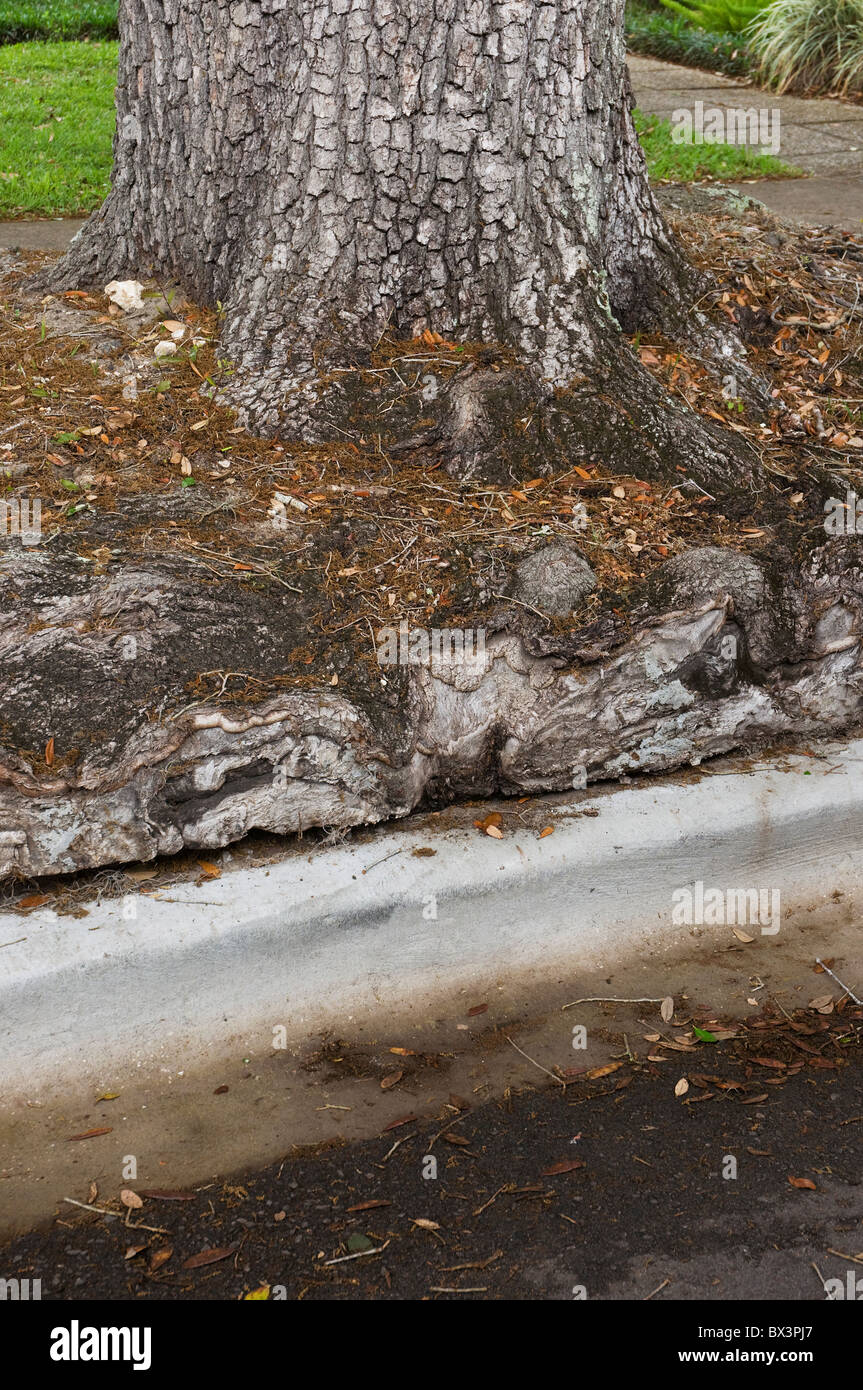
[(56, 126), (57, 123), (21, 20), (683, 163)]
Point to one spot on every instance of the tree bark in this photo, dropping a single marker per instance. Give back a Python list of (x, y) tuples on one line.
[(333, 171)]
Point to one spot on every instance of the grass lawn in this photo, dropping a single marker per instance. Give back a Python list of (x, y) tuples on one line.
[(683, 163), (56, 126), (57, 122)]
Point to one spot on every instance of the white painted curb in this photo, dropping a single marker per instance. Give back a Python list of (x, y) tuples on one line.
[(311, 941)]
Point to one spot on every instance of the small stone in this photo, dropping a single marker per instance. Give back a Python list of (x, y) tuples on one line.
[(126, 294)]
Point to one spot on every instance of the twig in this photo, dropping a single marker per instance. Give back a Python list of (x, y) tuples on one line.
[(509, 599), (849, 992), (821, 1277), (447, 1126), (491, 1199), (435, 1289), (656, 1290), (602, 999), (391, 1151), (357, 1255), (104, 1211), (558, 1079), (391, 855)]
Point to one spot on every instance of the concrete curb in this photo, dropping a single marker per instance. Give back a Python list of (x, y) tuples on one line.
[(312, 942)]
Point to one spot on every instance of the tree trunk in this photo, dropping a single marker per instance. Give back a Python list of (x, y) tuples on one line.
[(332, 172)]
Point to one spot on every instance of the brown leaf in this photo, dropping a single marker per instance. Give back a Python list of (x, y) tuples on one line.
[(456, 1139), (596, 1072), (210, 870), (402, 1052), (49, 752), (397, 1124), (803, 1182), (682, 1087), (130, 1199), (493, 831), (133, 1250), (567, 1165), (477, 1009), (160, 1257), (547, 830), (392, 1080), (666, 1009), (493, 818), (90, 1133), (369, 1206), (34, 900), (754, 1100), (209, 1257), (769, 1062), (221, 1090)]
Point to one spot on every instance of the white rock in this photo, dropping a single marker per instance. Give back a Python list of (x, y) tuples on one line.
[(126, 294), (165, 349)]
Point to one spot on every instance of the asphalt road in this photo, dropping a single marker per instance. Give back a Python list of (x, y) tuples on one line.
[(608, 1188)]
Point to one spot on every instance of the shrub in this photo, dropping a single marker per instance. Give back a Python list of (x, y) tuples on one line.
[(21, 20), (814, 45), (718, 16)]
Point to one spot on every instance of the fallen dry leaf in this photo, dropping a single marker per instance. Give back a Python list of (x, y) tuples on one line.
[(393, 1079), (90, 1133), (666, 1009), (567, 1165), (209, 1257), (682, 1087), (596, 1072), (803, 1182), (130, 1199)]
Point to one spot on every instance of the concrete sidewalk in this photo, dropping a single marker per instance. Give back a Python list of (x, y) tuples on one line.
[(358, 930), (821, 136)]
